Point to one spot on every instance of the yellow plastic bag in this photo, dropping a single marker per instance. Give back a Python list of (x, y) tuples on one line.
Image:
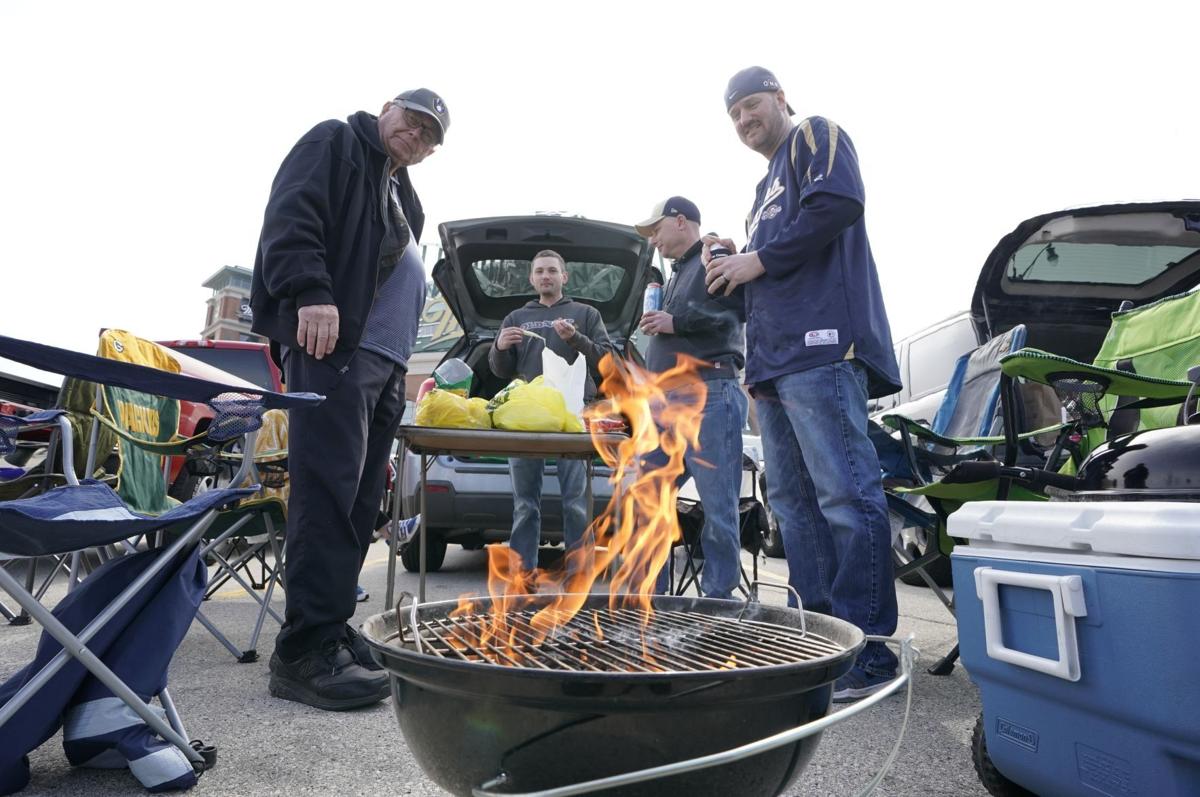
[(451, 411), (506, 391), (532, 408), (573, 424), (477, 411)]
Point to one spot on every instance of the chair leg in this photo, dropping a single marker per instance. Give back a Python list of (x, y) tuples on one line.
[(945, 665), (229, 570), (691, 571), (271, 582), (224, 640)]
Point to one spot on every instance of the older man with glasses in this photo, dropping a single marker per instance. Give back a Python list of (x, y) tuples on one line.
[(339, 287)]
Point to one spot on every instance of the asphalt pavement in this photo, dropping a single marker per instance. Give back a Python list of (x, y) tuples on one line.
[(273, 747)]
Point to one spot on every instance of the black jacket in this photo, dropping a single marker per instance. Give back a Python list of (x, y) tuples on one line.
[(707, 327), (322, 231)]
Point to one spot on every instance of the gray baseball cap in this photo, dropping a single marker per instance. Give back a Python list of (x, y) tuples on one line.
[(428, 103)]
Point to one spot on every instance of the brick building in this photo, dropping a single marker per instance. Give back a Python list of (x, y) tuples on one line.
[(228, 315)]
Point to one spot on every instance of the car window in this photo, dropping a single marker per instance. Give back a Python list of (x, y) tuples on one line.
[(438, 329), (597, 282), (1093, 263), (931, 357)]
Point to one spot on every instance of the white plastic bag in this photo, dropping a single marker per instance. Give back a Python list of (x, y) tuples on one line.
[(566, 379)]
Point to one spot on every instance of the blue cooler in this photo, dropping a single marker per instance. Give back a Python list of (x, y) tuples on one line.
[(1080, 624)]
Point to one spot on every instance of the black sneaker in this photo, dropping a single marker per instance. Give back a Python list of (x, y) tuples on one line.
[(329, 678), (361, 650)]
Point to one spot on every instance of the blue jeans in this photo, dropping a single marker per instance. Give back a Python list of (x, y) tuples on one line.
[(716, 467), (824, 487), (527, 505)]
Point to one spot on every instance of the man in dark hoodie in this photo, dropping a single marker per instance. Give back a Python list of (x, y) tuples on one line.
[(708, 328), (570, 329), (338, 288)]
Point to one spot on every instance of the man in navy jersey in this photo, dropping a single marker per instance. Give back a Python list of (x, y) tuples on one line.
[(339, 287), (818, 346)]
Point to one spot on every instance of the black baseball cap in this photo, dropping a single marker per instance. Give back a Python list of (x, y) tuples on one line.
[(751, 80), (428, 103), (672, 206)]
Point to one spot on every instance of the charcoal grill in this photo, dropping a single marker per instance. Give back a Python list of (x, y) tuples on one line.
[(585, 705)]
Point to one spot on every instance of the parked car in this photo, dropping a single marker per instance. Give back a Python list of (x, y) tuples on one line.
[(1062, 275), (482, 277), (227, 361), (926, 360)]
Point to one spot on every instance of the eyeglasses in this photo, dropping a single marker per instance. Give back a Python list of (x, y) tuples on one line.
[(427, 127)]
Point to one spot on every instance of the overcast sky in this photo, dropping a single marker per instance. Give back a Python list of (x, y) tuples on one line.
[(140, 139)]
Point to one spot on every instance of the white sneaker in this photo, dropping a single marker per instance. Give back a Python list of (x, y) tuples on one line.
[(408, 529)]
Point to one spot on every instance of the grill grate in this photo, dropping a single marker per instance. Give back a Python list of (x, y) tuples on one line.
[(611, 640)]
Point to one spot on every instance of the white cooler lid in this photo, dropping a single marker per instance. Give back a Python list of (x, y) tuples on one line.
[(1155, 529)]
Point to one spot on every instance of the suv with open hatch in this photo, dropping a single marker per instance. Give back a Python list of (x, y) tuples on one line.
[(482, 276)]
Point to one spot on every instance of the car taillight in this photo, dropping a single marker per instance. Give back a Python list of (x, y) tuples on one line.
[(437, 488)]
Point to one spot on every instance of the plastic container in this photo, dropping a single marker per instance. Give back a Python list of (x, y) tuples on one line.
[(1078, 623)]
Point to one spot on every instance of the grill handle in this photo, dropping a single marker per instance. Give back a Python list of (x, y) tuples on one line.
[(412, 620), (908, 655), (752, 598)]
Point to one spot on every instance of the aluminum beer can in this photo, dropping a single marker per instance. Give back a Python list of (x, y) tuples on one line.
[(653, 298), (717, 251)]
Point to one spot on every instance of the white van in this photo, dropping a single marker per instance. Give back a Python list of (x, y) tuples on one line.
[(926, 360)]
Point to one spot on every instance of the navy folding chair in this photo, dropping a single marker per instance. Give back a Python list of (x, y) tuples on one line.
[(105, 648)]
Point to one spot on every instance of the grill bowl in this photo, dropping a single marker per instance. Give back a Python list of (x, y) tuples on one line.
[(468, 722)]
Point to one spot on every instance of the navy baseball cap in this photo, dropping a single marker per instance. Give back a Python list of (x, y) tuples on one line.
[(428, 103), (672, 206), (751, 80)]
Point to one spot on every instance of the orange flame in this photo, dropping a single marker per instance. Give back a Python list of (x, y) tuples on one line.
[(639, 526)]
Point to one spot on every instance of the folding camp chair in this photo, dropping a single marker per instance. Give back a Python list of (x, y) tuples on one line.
[(1138, 380), (752, 525), (84, 631), (247, 545), (40, 470), (981, 419), (970, 425), (247, 535)]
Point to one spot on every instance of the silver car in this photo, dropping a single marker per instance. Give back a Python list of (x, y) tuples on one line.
[(484, 275)]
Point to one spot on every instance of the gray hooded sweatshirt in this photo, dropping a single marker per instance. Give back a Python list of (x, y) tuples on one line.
[(524, 360)]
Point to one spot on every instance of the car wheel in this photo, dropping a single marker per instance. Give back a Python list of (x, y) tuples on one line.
[(435, 553), (189, 485), (772, 544), (991, 778), (912, 542)]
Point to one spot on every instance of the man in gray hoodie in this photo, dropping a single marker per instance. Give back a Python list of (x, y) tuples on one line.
[(570, 329)]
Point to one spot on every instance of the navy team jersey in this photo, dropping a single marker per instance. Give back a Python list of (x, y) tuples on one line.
[(820, 300)]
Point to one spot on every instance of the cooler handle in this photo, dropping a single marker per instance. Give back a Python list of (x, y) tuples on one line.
[(1066, 593)]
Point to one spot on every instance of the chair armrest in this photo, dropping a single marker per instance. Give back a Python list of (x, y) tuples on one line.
[(917, 429), (1040, 366)]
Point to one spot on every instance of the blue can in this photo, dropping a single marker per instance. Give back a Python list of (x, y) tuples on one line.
[(653, 298)]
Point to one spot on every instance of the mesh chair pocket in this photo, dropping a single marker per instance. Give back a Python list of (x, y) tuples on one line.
[(236, 414), (9, 428), (1080, 396)]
